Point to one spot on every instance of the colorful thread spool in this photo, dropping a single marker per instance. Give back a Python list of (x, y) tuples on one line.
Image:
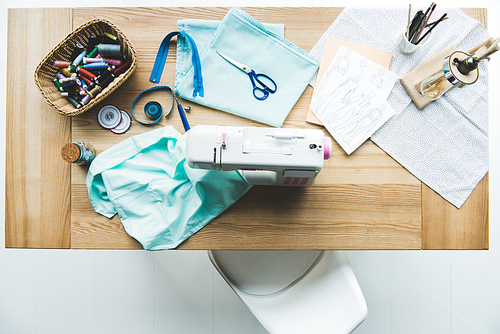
[(121, 69), (78, 60), (96, 66), (62, 63), (110, 50), (87, 74), (84, 81)]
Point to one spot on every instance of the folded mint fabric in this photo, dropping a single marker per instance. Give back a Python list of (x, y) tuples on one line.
[(161, 201), (229, 89), (202, 31)]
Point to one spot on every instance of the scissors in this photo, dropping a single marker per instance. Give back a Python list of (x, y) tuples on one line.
[(260, 93)]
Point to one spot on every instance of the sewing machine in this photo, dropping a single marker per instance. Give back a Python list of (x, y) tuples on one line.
[(264, 156)]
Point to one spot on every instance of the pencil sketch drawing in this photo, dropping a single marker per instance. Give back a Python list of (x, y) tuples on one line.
[(342, 64), (340, 94), (378, 79), (362, 65), (351, 100)]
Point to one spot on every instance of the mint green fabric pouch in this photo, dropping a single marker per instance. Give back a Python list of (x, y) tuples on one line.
[(202, 31), (161, 201), (260, 47)]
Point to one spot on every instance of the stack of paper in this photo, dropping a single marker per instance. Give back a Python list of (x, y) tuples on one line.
[(351, 98)]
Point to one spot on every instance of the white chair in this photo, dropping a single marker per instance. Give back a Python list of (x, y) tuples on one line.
[(295, 291)]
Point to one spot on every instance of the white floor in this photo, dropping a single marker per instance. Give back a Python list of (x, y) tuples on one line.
[(48, 291)]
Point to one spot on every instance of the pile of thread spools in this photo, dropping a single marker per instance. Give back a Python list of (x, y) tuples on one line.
[(90, 69)]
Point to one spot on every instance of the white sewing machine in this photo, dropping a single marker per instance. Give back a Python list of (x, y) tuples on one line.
[(265, 156)]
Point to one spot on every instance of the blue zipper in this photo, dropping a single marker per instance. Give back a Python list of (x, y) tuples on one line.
[(161, 57)]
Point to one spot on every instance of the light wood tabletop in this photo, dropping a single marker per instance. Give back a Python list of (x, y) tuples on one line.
[(362, 201)]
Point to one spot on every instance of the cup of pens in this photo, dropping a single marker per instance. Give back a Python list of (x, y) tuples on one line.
[(406, 47), (418, 31)]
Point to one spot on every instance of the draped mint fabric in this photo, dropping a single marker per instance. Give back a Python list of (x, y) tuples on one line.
[(161, 201)]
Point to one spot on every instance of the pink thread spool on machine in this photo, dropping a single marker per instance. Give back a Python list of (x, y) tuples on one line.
[(447, 69)]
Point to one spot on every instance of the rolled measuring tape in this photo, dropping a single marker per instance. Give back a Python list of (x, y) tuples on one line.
[(152, 109)]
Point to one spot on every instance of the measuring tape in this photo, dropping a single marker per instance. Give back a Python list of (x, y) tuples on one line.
[(152, 109)]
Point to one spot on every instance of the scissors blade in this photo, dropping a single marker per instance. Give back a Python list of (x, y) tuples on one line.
[(239, 65)]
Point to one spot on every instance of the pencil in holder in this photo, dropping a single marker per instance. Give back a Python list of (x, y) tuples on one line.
[(406, 47)]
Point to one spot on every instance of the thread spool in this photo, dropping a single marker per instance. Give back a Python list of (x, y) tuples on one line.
[(96, 40), (103, 83), (105, 78), (112, 62), (86, 99), (78, 153), (85, 73), (94, 91), (121, 69), (76, 51), (62, 63), (78, 59), (75, 103), (96, 66), (65, 72), (94, 52), (110, 50), (57, 84)]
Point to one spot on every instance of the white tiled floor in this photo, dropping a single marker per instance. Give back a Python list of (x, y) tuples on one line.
[(49, 291)]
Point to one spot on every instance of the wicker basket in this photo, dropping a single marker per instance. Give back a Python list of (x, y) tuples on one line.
[(46, 71)]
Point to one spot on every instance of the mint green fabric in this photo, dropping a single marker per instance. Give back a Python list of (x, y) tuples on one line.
[(202, 31), (161, 201), (229, 89)]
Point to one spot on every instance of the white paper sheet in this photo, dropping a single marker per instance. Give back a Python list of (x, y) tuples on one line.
[(351, 100)]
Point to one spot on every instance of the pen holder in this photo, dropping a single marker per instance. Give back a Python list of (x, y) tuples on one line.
[(406, 47)]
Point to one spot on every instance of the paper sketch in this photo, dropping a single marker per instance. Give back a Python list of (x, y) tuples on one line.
[(351, 100), (362, 65), (342, 63)]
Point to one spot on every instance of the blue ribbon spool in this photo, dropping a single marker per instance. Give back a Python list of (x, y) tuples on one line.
[(152, 109)]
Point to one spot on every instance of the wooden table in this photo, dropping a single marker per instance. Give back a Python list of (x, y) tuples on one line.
[(363, 201)]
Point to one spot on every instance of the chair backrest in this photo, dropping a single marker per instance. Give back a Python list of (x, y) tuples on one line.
[(264, 272), (295, 292)]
